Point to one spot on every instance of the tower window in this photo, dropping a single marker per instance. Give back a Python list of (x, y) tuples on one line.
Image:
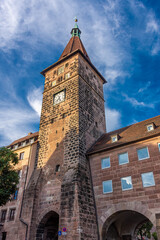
[(60, 70), (64, 115), (52, 120), (21, 156), (67, 75), (12, 214), (57, 169), (3, 215), (96, 124), (53, 83), (57, 144), (66, 65)]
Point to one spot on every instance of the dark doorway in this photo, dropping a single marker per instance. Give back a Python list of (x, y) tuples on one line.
[(4, 234), (48, 227)]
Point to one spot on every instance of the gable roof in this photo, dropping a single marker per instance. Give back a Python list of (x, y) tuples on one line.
[(127, 135), (30, 135), (74, 44)]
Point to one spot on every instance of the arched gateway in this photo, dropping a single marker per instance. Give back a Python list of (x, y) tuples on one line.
[(48, 227), (123, 225)]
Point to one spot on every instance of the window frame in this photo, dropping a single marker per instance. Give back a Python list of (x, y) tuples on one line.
[(109, 162), (67, 75), (121, 154), (12, 216), (150, 125), (116, 138), (111, 185), (142, 174), (143, 158), (21, 156), (3, 217), (122, 184)]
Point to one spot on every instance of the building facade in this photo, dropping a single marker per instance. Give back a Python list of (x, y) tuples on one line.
[(76, 180)]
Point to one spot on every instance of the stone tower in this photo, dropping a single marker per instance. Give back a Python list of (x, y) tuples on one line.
[(72, 119)]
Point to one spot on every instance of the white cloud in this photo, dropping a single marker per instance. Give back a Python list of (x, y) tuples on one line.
[(145, 87), (15, 122), (113, 119), (34, 98), (136, 103)]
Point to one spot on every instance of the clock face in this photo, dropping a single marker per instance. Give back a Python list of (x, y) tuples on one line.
[(59, 97)]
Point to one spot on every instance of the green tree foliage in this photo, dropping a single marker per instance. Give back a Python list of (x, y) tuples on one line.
[(145, 231), (8, 176)]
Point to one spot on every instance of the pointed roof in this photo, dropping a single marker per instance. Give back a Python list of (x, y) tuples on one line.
[(74, 44)]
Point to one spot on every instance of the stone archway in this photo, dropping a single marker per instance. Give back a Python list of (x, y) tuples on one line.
[(48, 227), (122, 225)]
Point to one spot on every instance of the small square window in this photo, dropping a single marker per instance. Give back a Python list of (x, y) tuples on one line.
[(21, 156), (123, 158), (150, 127), (148, 179), (114, 138), (12, 214), (159, 146), (105, 162), (107, 186), (143, 153), (126, 183)]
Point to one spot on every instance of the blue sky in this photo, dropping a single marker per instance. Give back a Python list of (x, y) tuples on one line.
[(121, 37)]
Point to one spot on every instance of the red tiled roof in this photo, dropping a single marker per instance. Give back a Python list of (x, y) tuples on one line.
[(25, 138), (74, 44), (127, 135)]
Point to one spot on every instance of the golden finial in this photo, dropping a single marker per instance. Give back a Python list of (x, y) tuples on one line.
[(76, 20)]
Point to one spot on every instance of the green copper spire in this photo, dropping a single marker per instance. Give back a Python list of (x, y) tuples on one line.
[(76, 31)]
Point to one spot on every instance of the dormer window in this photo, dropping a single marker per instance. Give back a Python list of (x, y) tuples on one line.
[(150, 127), (114, 138), (23, 143), (32, 140)]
